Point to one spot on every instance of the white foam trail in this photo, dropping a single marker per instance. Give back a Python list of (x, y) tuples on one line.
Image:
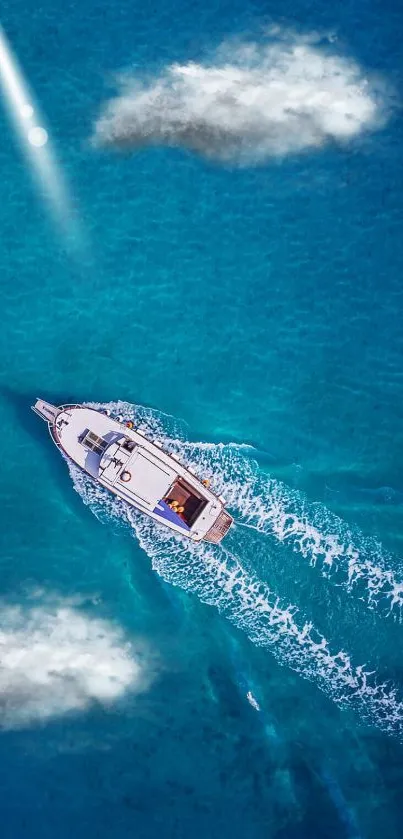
[(249, 103), (341, 553), (57, 659), (217, 577)]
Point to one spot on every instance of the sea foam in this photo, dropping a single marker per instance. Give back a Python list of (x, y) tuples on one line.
[(216, 574)]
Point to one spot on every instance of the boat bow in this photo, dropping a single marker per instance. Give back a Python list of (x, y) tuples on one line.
[(46, 410)]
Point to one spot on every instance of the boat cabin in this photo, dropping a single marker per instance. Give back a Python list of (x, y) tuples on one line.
[(185, 501), (138, 474)]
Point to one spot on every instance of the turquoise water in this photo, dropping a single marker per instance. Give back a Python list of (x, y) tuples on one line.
[(248, 312)]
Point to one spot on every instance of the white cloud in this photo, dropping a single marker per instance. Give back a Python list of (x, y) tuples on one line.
[(55, 658), (249, 104)]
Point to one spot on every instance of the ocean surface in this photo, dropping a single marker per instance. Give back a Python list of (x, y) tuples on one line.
[(206, 239)]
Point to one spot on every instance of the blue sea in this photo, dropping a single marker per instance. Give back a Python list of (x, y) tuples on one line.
[(205, 236)]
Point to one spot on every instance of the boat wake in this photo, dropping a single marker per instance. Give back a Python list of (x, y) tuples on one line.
[(343, 555), (217, 576)]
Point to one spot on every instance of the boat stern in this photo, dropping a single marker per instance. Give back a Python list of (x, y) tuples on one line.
[(46, 411), (220, 528)]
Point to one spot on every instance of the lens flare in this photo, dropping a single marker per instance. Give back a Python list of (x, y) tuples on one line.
[(35, 141), (37, 136)]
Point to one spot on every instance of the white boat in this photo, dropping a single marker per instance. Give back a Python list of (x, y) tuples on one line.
[(121, 458)]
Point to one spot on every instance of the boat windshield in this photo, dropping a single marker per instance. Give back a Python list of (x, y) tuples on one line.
[(93, 442)]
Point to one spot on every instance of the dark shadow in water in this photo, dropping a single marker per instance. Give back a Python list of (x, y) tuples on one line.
[(20, 404)]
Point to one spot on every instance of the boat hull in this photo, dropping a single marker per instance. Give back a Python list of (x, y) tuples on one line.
[(122, 459)]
